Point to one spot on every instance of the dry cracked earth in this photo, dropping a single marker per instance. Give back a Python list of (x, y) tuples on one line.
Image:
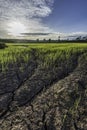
[(38, 98)]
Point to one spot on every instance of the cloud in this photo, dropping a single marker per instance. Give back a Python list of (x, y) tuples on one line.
[(29, 12), (55, 35), (25, 8), (35, 34), (74, 35)]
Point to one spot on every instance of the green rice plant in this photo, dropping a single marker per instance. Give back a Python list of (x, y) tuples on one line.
[(47, 54)]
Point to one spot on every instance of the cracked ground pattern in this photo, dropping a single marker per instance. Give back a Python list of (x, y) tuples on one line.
[(42, 98)]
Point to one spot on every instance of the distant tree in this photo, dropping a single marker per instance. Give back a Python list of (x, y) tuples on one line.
[(44, 40), (84, 38), (37, 40), (67, 39), (3, 45), (58, 38), (49, 40), (78, 38)]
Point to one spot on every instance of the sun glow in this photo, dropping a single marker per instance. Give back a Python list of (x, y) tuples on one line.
[(16, 28)]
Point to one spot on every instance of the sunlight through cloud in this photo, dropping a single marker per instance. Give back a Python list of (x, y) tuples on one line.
[(16, 28)]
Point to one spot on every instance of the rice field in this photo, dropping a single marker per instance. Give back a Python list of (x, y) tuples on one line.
[(47, 54)]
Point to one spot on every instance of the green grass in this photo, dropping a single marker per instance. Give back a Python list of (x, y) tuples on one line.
[(48, 54)]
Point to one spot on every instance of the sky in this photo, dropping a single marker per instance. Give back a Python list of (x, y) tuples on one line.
[(32, 19)]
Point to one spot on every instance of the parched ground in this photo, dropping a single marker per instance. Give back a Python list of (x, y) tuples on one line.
[(39, 98)]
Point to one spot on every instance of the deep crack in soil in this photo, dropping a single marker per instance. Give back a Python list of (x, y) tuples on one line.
[(44, 98)]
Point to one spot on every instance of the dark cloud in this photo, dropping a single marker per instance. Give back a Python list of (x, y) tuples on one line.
[(35, 34)]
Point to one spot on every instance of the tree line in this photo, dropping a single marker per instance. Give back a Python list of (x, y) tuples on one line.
[(59, 40)]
